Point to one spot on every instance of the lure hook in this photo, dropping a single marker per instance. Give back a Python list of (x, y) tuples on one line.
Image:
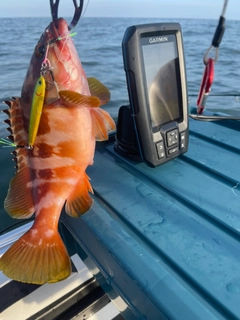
[(77, 14)]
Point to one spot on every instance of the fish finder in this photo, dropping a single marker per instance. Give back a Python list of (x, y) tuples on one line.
[(154, 63)]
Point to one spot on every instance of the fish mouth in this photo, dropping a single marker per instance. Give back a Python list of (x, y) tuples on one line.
[(61, 25), (57, 28), (60, 51)]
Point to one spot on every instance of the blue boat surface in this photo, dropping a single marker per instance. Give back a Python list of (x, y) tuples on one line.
[(163, 242), (166, 240)]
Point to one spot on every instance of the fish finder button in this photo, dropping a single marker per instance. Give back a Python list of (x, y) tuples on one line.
[(172, 137), (182, 140), (172, 151), (160, 150)]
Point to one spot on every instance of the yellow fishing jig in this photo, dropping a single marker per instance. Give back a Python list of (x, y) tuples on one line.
[(36, 110)]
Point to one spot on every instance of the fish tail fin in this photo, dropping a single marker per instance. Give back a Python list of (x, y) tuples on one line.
[(37, 258)]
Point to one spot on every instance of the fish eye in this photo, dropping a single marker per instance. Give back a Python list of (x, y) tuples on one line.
[(40, 50)]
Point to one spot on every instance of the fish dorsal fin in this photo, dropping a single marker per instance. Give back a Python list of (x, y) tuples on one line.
[(98, 89), (19, 201), (72, 98), (102, 124)]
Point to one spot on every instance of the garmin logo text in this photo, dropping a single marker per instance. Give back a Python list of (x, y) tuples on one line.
[(157, 39)]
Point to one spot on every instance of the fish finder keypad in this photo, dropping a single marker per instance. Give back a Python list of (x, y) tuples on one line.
[(172, 138), (173, 142)]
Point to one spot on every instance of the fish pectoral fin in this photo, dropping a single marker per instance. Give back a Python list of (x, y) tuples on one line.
[(37, 259), (79, 201), (72, 98), (102, 124), (99, 90), (19, 202)]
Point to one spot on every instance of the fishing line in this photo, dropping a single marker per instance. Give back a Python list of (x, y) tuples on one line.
[(224, 8), (46, 65), (218, 95), (62, 37), (7, 143), (201, 117), (85, 8)]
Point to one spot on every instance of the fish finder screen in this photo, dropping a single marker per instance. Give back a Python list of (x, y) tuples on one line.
[(161, 64)]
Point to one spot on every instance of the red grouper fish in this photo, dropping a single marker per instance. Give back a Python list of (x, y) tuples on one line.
[(52, 171)]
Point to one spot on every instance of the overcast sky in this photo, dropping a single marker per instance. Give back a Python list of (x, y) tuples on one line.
[(209, 9)]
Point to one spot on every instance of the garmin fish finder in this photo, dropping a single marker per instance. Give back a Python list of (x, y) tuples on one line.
[(154, 63)]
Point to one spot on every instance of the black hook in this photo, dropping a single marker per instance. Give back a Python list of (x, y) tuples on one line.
[(54, 9), (77, 14)]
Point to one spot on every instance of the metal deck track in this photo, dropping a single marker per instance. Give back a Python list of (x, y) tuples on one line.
[(79, 297)]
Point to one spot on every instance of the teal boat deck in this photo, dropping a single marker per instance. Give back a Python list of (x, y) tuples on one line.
[(167, 240)]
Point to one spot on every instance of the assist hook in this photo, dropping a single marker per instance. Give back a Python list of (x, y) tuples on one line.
[(77, 14)]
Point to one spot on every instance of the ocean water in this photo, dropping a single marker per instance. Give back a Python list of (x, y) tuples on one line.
[(98, 42)]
